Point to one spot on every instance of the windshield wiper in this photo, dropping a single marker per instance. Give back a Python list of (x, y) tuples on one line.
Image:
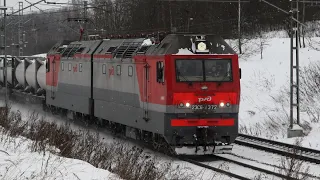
[(224, 77), (185, 79)]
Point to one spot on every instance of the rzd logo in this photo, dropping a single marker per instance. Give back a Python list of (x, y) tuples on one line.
[(111, 71), (75, 68), (205, 99)]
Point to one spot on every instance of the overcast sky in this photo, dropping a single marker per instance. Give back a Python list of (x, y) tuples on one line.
[(42, 5)]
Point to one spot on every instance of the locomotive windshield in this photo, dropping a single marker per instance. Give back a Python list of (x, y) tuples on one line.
[(214, 70)]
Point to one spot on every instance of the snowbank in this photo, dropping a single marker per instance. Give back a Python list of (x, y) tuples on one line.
[(17, 161), (184, 51), (147, 42)]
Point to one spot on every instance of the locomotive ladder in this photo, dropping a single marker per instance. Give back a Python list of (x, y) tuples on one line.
[(146, 93), (53, 73), (294, 65)]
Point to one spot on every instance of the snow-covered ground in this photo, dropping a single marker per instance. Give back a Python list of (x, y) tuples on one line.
[(264, 106), (17, 161)]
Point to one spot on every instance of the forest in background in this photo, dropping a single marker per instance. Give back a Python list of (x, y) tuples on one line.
[(43, 29)]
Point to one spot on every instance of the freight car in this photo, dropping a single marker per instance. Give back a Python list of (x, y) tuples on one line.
[(183, 91)]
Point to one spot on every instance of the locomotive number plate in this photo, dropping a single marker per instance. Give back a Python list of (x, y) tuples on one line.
[(203, 107)]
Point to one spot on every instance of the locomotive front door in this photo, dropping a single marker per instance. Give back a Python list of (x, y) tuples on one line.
[(146, 92)]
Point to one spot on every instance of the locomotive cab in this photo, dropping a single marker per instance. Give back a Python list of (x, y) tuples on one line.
[(204, 93)]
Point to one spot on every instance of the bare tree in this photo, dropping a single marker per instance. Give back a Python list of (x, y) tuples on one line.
[(263, 42), (292, 167)]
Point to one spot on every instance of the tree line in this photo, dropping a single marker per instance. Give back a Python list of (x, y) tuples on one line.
[(120, 17)]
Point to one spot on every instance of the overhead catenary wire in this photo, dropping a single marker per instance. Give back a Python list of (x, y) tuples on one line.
[(59, 23), (63, 9), (215, 23), (137, 30)]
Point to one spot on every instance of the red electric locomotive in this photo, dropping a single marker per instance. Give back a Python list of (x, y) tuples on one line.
[(184, 90)]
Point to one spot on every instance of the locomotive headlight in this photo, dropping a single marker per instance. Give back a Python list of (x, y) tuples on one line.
[(222, 104), (187, 104), (202, 46), (228, 104), (181, 104)]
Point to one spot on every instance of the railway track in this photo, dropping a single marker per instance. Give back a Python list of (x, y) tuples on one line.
[(231, 174), (260, 170), (200, 164), (272, 168), (284, 149)]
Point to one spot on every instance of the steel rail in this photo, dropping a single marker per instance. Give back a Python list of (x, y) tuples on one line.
[(305, 154), (214, 169), (234, 162), (252, 167), (262, 170)]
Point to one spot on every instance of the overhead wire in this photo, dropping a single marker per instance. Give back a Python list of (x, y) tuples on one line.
[(102, 4), (55, 12), (42, 11), (215, 23)]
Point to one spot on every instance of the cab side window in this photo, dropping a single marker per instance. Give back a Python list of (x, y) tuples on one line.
[(48, 65), (160, 72)]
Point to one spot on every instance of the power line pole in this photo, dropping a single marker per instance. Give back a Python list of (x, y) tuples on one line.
[(35, 31), (13, 45), (171, 24), (3, 51), (239, 26), (20, 34), (303, 20), (85, 6), (294, 64)]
